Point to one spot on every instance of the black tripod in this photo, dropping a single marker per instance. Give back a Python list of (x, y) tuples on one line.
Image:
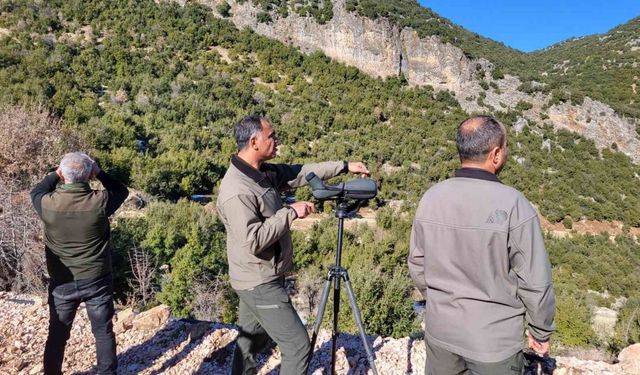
[(337, 273)]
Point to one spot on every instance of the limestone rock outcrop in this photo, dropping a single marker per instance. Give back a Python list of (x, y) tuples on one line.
[(598, 122), (382, 49)]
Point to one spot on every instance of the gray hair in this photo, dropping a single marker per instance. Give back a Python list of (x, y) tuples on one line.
[(247, 128), (477, 136), (76, 167)]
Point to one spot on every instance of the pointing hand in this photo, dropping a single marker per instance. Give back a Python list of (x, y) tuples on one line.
[(357, 167)]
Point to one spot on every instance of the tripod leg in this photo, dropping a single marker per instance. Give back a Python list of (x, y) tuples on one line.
[(320, 315), (358, 318), (336, 315)]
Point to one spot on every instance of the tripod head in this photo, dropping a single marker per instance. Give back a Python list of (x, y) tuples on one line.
[(358, 189)]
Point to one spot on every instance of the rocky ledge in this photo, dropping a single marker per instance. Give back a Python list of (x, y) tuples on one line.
[(154, 343)]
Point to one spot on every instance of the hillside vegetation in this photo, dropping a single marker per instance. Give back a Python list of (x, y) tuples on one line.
[(154, 90), (603, 67)]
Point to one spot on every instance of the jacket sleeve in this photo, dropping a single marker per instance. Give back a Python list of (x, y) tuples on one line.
[(117, 192), (293, 176), (246, 225), (530, 262), (44, 187), (416, 258)]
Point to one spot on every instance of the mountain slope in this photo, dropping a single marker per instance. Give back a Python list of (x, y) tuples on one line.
[(604, 67), (155, 89), (600, 66), (382, 47)]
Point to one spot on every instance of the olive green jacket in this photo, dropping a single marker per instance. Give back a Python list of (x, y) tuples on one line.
[(76, 225)]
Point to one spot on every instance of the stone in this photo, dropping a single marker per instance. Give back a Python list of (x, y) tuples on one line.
[(123, 321), (629, 359), (198, 330), (23, 365), (37, 369), (134, 368), (38, 304), (519, 125), (152, 319)]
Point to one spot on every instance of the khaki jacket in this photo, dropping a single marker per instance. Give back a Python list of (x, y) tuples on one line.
[(477, 254), (259, 247)]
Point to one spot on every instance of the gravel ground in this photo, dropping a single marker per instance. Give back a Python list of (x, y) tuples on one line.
[(190, 347)]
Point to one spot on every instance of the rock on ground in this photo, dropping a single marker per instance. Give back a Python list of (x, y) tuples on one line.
[(192, 347)]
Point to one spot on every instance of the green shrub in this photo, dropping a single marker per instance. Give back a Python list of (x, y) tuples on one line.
[(523, 106), (497, 73), (224, 9), (572, 322), (264, 17)]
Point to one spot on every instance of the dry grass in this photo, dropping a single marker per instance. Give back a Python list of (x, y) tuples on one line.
[(32, 142)]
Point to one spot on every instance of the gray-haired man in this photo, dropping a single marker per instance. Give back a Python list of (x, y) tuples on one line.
[(478, 257), (76, 237), (259, 247)]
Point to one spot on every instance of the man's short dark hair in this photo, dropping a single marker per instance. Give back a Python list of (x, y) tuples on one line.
[(246, 128), (477, 136)]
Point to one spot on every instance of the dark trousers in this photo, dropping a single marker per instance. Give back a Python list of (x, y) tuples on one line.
[(266, 311), (64, 299), (443, 362)]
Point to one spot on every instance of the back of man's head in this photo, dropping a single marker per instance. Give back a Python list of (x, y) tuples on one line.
[(76, 167), (246, 128), (477, 136)]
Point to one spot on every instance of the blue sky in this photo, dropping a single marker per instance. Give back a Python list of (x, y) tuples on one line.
[(530, 25)]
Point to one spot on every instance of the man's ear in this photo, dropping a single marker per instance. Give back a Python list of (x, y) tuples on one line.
[(253, 142), (495, 155)]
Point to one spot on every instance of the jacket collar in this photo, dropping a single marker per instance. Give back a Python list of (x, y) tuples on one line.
[(477, 173), (265, 176), (75, 186)]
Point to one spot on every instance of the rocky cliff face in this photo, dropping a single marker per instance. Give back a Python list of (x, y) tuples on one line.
[(376, 47), (372, 46), (381, 49), (599, 122)]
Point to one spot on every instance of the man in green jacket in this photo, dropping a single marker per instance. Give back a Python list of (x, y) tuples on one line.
[(259, 247), (77, 249), (477, 255)]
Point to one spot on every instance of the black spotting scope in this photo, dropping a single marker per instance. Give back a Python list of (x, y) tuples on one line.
[(360, 189)]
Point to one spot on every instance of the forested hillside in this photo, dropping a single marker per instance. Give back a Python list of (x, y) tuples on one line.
[(154, 91), (603, 67)]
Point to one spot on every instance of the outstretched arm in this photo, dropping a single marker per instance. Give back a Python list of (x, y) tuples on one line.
[(293, 176)]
